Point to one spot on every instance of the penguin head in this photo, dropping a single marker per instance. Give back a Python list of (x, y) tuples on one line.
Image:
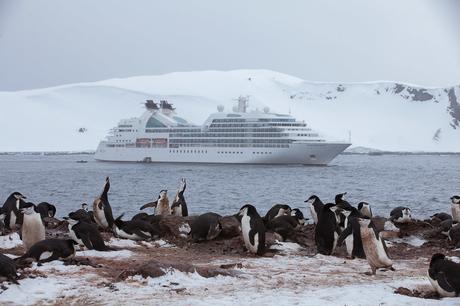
[(247, 209), (28, 208), (406, 212), (455, 199), (284, 209), (163, 194), (84, 206), (362, 205), (297, 213), (18, 195), (51, 210), (311, 199), (340, 197), (436, 257)]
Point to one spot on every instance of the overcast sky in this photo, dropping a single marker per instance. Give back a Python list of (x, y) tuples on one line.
[(45, 43)]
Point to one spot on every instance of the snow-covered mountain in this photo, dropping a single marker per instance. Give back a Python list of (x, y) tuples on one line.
[(382, 115)]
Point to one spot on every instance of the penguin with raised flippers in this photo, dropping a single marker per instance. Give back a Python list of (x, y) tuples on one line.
[(32, 229), (252, 229), (161, 205), (374, 246), (50, 249), (102, 210), (85, 232), (8, 269), (135, 229), (46, 210), (444, 276), (11, 209), (276, 211), (352, 235), (327, 230), (316, 206), (179, 206), (206, 227)]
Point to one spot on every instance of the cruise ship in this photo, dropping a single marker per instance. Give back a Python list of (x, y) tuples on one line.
[(237, 137)]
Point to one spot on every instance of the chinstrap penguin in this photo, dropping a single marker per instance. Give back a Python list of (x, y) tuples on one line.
[(46, 210), (455, 203), (206, 227), (316, 206), (85, 232), (32, 229), (327, 230), (352, 234), (11, 209), (400, 214), (444, 276), (365, 209), (102, 210), (252, 229), (135, 229), (276, 211), (50, 249), (8, 269), (179, 206)]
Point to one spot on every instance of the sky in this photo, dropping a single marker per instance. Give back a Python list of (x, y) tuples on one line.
[(48, 43)]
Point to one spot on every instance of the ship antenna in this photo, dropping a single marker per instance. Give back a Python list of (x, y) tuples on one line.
[(349, 135)]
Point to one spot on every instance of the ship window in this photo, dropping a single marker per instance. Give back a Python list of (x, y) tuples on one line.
[(153, 122)]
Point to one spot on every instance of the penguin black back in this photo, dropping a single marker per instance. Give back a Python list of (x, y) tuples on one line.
[(46, 210), (326, 231), (206, 227), (276, 211), (252, 229), (50, 249), (444, 275), (8, 269)]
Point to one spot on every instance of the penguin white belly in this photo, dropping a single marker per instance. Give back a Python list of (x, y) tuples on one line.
[(121, 233), (45, 255), (441, 292), (162, 209), (12, 220), (33, 230), (336, 237), (313, 214), (73, 236), (349, 244), (245, 228), (456, 212), (374, 250), (177, 211), (100, 217)]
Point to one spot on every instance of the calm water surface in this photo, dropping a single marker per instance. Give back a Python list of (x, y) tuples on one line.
[(424, 183)]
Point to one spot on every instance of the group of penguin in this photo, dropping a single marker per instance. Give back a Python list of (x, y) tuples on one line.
[(335, 223)]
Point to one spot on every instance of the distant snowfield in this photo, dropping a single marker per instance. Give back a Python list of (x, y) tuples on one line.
[(380, 115), (287, 279)]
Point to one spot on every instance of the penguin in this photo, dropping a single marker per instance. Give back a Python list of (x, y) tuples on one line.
[(50, 249), (283, 226), (161, 205), (33, 229), (206, 227), (135, 229), (441, 216), (454, 235), (179, 206), (8, 269), (46, 210), (352, 235), (84, 232), (11, 207), (276, 211), (253, 229), (341, 203), (2, 219), (445, 226), (455, 208), (374, 246), (444, 276), (297, 213), (327, 230), (85, 213), (400, 214), (365, 209), (102, 210), (316, 206)]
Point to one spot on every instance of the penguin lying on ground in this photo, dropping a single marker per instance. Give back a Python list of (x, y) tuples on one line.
[(206, 227), (252, 229), (374, 246), (50, 249), (276, 211), (454, 235), (8, 269), (327, 230), (284, 226), (179, 206), (316, 206), (352, 235), (11, 209), (400, 214), (32, 229), (455, 200), (441, 216), (102, 210), (84, 232), (46, 210), (135, 229), (444, 276)]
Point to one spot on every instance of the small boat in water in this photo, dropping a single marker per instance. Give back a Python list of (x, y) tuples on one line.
[(82, 161)]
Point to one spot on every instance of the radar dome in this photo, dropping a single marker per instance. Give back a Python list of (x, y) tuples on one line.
[(266, 109), (220, 108)]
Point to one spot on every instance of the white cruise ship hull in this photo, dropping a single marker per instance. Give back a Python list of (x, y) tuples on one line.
[(307, 153)]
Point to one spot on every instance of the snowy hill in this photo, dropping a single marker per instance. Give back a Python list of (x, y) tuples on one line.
[(381, 115)]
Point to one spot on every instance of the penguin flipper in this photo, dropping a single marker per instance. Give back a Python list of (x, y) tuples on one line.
[(141, 234), (444, 283), (346, 232), (86, 241)]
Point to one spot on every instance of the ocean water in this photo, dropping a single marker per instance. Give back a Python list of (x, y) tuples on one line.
[(422, 182)]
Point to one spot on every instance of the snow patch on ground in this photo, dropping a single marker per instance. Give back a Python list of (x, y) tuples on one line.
[(106, 254), (411, 240), (10, 241)]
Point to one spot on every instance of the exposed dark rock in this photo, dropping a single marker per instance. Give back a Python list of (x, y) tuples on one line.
[(419, 94), (437, 135), (399, 88), (454, 108)]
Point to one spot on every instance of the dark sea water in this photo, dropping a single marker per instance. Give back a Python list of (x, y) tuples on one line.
[(424, 183)]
